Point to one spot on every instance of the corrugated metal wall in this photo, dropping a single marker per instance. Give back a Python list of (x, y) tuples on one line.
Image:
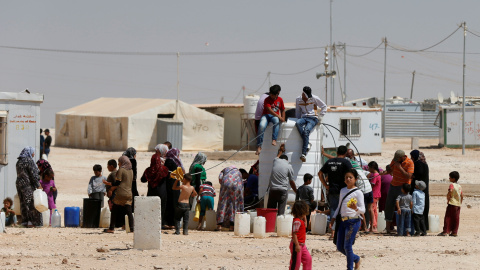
[(170, 130), (411, 124)]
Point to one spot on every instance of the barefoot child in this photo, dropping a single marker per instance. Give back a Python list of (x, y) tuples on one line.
[(207, 193), (454, 200), (48, 186), (183, 205), (300, 254), (404, 205), (10, 217)]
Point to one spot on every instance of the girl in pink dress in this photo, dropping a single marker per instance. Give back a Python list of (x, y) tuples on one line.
[(48, 186)]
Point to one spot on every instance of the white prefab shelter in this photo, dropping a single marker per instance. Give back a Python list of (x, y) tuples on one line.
[(450, 123), (118, 123), (19, 127)]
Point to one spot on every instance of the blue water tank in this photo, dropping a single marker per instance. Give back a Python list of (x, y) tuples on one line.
[(72, 216)]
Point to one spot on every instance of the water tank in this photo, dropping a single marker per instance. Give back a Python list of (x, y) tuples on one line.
[(289, 135), (250, 106)]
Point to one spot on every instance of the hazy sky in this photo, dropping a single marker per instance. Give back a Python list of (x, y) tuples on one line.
[(68, 79)]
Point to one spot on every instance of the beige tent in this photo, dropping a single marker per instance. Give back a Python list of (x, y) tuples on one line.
[(118, 123)]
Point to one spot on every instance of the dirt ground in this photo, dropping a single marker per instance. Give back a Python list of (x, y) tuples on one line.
[(72, 248)]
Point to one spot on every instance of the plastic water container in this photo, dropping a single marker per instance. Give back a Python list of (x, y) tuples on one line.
[(46, 218), (284, 225), (127, 224), (192, 224), (91, 212), (16, 205), (40, 200), (381, 223), (270, 215), (56, 219), (2, 222), (433, 223), (259, 226), (242, 224), (105, 217), (211, 220), (319, 224), (72, 216), (253, 215)]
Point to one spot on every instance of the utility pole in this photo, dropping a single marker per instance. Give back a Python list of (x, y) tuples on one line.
[(463, 86), (384, 92), (344, 72), (178, 86), (413, 80), (332, 87), (326, 72), (333, 63)]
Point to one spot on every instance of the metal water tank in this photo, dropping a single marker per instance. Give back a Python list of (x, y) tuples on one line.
[(289, 135), (250, 105)]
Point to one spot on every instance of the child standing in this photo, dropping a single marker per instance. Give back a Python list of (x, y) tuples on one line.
[(112, 168), (305, 193), (10, 217), (298, 248), (96, 187), (48, 186), (404, 213), (418, 198), (183, 206), (207, 193), (454, 200), (376, 182)]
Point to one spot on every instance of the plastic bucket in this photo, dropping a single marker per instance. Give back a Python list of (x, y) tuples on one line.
[(72, 216), (91, 212), (270, 215)]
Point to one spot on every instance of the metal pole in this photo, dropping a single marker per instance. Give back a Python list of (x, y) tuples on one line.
[(178, 85), (345, 71), (332, 78), (384, 91), (463, 86), (413, 80)]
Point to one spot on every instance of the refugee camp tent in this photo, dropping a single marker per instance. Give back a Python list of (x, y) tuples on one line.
[(117, 123)]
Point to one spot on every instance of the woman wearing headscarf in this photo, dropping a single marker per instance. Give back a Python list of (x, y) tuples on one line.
[(131, 153), (123, 197), (156, 175), (172, 162), (421, 172), (230, 200), (199, 175), (28, 179)]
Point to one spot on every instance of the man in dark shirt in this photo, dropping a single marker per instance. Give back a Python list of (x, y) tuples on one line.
[(335, 169), (47, 143), (42, 141), (250, 187)]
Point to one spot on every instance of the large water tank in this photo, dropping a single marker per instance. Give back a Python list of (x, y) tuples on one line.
[(250, 106), (289, 135)]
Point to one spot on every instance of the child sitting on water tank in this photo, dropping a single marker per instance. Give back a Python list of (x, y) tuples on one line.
[(48, 186), (10, 217), (96, 187)]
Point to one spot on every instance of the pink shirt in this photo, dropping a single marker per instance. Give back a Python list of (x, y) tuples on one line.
[(46, 188), (376, 181)]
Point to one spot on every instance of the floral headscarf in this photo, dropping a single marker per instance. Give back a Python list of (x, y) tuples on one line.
[(422, 158), (43, 166), (200, 158), (130, 153), (27, 152), (174, 154), (125, 161)]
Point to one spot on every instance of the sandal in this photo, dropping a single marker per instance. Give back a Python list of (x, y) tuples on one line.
[(108, 231), (442, 234)]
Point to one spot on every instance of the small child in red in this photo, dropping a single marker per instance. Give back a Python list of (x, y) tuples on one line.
[(298, 248)]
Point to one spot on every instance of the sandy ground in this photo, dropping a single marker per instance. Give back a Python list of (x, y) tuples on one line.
[(68, 248)]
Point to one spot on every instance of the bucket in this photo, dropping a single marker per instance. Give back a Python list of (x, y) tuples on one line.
[(253, 215), (259, 225), (105, 217), (381, 223), (319, 224), (270, 215), (433, 223), (91, 212), (242, 224), (211, 219), (16, 205), (46, 218), (72, 216), (40, 200), (284, 225)]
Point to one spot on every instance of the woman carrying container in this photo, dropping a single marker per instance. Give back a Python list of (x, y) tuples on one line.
[(28, 179), (230, 200)]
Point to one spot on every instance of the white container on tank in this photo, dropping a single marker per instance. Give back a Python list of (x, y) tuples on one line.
[(105, 217), (46, 218), (253, 215), (381, 223), (289, 135), (319, 224), (433, 223), (259, 227), (284, 225), (211, 220), (242, 224), (2, 222), (250, 105), (40, 200), (16, 205)]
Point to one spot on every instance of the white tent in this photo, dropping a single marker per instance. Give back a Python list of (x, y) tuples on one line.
[(118, 123)]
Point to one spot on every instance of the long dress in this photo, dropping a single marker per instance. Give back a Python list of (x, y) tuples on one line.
[(28, 180), (230, 200), (155, 175), (172, 195), (421, 172), (134, 182)]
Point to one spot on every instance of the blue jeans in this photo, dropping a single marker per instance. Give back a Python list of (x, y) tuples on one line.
[(47, 151), (10, 220), (403, 221), (345, 238), (268, 118), (305, 126), (333, 201)]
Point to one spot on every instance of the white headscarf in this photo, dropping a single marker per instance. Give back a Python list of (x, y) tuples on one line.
[(163, 149)]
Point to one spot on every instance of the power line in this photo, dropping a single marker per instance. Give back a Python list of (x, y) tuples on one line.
[(471, 32), (296, 73), (360, 55), (438, 43)]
